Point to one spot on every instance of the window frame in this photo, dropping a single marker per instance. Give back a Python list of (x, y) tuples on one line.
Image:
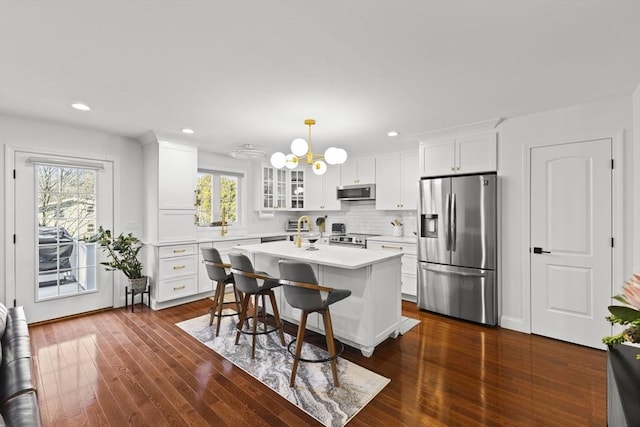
[(240, 196)]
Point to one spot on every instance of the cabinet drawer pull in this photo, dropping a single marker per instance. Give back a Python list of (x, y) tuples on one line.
[(179, 251), (391, 247), (177, 288), (179, 267)]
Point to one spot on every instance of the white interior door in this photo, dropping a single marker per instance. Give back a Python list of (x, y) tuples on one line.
[(59, 202), (571, 232)]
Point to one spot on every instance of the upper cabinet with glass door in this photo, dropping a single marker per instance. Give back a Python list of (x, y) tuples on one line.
[(274, 188)]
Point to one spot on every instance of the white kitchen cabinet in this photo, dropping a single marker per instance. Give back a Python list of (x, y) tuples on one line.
[(283, 189), (296, 189), (359, 171), (466, 154), (170, 181), (320, 190), (274, 188), (397, 181), (409, 268), (172, 271)]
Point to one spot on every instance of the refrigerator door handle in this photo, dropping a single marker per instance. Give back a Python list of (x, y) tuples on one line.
[(453, 222), (457, 273), (447, 219)]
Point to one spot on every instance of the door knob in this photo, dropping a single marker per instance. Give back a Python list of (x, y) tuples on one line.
[(537, 250)]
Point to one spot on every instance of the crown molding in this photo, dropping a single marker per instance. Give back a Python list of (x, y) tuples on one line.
[(475, 127)]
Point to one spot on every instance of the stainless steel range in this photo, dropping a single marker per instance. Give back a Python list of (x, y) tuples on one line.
[(356, 240)]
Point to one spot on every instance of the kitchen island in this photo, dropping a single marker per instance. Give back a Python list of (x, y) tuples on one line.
[(363, 320)]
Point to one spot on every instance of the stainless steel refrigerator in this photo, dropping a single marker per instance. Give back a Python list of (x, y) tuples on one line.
[(457, 247)]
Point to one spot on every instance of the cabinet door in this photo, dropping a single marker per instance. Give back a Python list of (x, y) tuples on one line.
[(349, 173), (177, 172), (331, 180), (388, 182), (409, 182), (296, 189), (204, 283), (176, 225), (476, 153), (367, 171), (313, 194), (437, 158)]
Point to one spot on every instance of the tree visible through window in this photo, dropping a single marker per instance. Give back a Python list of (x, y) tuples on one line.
[(217, 192), (66, 217)]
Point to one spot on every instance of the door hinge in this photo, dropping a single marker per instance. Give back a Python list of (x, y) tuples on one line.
[(14, 302), (612, 164), (14, 239), (612, 242), (14, 174)]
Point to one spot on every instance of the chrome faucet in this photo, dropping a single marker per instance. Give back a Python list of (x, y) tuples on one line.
[(298, 242), (223, 222)]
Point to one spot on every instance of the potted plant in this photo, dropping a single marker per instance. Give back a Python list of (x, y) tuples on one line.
[(623, 361), (627, 315), (122, 252)]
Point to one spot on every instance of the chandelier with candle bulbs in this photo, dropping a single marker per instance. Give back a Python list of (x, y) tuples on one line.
[(301, 153)]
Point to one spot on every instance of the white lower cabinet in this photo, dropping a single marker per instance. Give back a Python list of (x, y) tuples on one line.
[(172, 270), (409, 270)]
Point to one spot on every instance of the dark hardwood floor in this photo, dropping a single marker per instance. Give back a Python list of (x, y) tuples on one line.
[(121, 368)]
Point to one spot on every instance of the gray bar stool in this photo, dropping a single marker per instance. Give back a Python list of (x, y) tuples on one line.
[(302, 291), (216, 270), (246, 279)]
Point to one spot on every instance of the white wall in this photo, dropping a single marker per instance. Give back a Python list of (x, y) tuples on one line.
[(58, 139), (636, 181), (600, 119)]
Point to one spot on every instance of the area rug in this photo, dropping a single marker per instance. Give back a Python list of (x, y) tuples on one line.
[(406, 324), (314, 392)]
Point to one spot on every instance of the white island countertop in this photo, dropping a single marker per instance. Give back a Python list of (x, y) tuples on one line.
[(333, 256)]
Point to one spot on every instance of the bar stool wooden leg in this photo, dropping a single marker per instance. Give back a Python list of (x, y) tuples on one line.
[(331, 346), (214, 306), (255, 326), (299, 341), (243, 315), (276, 316), (221, 286)]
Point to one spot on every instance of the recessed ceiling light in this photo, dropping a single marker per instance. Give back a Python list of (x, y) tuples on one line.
[(188, 131), (393, 133), (81, 107)]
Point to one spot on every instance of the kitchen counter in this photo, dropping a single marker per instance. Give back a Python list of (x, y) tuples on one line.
[(329, 255), (395, 239), (370, 315), (219, 238)]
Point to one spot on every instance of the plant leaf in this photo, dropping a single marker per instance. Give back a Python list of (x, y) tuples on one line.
[(625, 313)]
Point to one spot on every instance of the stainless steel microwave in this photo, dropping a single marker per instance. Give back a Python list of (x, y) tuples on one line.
[(357, 192)]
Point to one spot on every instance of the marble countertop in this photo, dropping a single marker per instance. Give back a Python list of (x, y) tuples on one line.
[(333, 256)]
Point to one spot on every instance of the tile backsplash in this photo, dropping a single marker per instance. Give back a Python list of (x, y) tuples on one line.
[(362, 217)]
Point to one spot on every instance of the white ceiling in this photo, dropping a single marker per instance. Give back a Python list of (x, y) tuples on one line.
[(243, 72)]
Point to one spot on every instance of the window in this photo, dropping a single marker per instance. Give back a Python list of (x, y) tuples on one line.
[(218, 194), (66, 217)]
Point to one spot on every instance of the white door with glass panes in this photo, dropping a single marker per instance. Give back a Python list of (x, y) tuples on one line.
[(59, 203)]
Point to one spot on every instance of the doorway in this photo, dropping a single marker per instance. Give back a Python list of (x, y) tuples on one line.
[(58, 204), (571, 235)]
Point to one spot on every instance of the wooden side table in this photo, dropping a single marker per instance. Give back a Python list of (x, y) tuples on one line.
[(133, 293)]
